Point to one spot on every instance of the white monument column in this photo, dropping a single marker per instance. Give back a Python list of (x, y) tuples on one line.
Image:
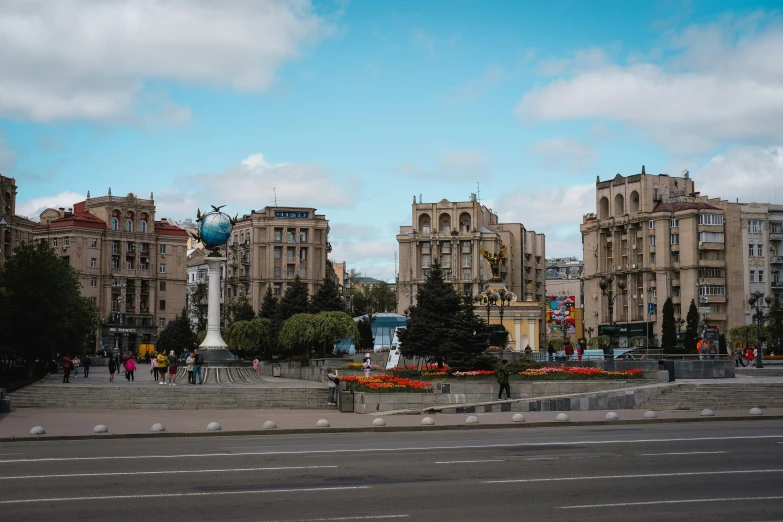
[(213, 340), (518, 333), (531, 325)]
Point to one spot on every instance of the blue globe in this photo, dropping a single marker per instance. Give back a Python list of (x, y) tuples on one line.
[(215, 229)]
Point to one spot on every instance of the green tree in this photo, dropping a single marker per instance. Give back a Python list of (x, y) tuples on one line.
[(300, 333), (722, 347), (668, 328), (366, 340), (243, 310), (177, 335), (295, 301), (775, 328), (197, 303), (331, 327), (269, 304), (692, 327), (382, 298), (327, 298), (44, 312), (297, 334), (360, 302), (252, 336)]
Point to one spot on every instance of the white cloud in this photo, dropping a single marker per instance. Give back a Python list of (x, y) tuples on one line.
[(748, 173), (81, 59), (563, 154), (452, 165), (474, 88), (32, 208), (581, 60), (252, 184), (719, 83)]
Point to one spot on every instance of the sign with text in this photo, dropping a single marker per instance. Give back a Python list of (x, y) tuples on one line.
[(123, 330), (287, 214), (394, 359)]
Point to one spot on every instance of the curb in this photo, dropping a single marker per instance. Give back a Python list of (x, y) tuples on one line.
[(384, 429)]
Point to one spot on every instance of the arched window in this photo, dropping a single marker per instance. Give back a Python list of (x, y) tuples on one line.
[(128, 225), (115, 223), (143, 227)]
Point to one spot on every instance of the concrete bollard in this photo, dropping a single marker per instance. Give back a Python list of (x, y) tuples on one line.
[(562, 417), (755, 411), (472, 420), (158, 427), (270, 425), (100, 428), (649, 414), (518, 417), (427, 421), (611, 416), (213, 426), (706, 412), (379, 422), (37, 430), (323, 423)]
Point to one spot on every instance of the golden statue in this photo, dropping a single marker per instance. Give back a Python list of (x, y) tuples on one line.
[(494, 260)]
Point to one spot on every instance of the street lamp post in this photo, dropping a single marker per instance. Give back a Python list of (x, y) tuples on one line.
[(605, 284), (680, 321), (487, 300), (755, 303), (3, 228)]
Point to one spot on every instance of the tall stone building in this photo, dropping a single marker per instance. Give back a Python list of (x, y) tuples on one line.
[(14, 229), (663, 239), (454, 233), (131, 266), (762, 248), (270, 247)]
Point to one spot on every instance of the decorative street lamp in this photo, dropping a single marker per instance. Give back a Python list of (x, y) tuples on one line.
[(680, 321), (500, 299), (605, 284), (590, 331), (487, 300), (755, 303)]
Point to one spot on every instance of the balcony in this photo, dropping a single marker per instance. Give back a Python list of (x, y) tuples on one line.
[(775, 235), (711, 246), (130, 253), (776, 259), (776, 284), (145, 291), (245, 244), (116, 289), (715, 317)]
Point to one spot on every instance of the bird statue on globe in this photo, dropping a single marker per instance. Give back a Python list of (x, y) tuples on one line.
[(214, 229)]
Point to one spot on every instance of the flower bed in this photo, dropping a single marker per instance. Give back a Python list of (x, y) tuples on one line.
[(358, 366), (386, 384), (574, 373)]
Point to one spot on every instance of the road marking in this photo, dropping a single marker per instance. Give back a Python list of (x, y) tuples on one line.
[(650, 475), (465, 461), (121, 473), (683, 453), (412, 448), (368, 517), (659, 502), (180, 495), (541, 458)]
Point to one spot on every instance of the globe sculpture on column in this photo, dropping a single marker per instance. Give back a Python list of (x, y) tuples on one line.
[(214, 231)]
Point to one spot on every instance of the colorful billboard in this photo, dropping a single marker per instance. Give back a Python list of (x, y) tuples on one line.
[(560, 310)]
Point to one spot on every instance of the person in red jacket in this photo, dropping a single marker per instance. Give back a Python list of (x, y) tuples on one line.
[(67, 365), (569, 351)]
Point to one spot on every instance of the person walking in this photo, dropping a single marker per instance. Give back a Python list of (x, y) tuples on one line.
[(256, 364), (701, 349), (154, 368), (67, 365), (569, 351), (163, 363), (713, 350), (112, 369), (172, 368), (333, 381), (580, 349), (550, 351), (367, 365), (199, 360), (86, 363), (189, 367), (76, 363), (502, 374), (130, 367)]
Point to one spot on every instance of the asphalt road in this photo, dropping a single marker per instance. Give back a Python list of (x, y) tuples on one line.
[(712, 471)]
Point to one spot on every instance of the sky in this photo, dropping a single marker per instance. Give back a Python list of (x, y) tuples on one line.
[(355, 107)]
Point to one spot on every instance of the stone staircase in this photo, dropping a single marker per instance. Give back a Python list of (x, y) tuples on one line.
[(771, 371), (723, 396)]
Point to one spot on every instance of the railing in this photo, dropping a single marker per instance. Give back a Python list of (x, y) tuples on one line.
[(776, 259)]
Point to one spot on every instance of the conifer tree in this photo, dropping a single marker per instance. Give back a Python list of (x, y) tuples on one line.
[(327, 298)]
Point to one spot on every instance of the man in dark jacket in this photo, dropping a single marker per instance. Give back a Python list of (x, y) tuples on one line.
[(86, 363), (502, 374)]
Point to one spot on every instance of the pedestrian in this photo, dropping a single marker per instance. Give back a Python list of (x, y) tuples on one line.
[(189, 367), (130, 367), (256, 363), (86, 363), (112, 369), (333, 381), (569, 351), (76, 363), (580, 349), (199, 360), (749, 355), (713, 350), (701, 349), (154, 368), (172, 368), (163, 363), (67, 365), (502, 374), (528, 352), (367, 365), (550, 351)]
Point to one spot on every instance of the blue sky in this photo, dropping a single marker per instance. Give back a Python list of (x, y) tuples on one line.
[(354, 107)]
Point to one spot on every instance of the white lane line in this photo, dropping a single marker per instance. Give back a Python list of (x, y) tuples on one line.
[(541, 458), (413, 448), (646, 475), (659, 502), (180, 495), (121, 473), (465, 461), (368, 517), (683, 453)]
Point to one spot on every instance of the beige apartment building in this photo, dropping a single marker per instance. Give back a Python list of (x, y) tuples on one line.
[(131, 265), (664, 239), (14, 229), (453, 233), (762, 247), (270, 247)]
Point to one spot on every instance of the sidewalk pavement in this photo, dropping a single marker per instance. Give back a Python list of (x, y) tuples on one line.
[(80, 423)]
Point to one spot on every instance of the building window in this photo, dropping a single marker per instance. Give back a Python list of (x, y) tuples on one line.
[(66, 260), (652, 257), (711, 237), (678, 309), (162, 305), (652, 225), (303, 273), (94, 262), (93, 243), (676, 257), (302, 254), (163, 268), (761, 276), (129, 265), (290, 255), (163, 249), (708, 271), (466, 274), (278, 253), (128, 225), (711, 219), (674, 223), (705, 290), (425, 227), (445, 246), (278, 234), (425, 261), (675, 291), (94, 282), (445, 261), (162, 322), (276, 290), (115, 263), (94, 300), (115, 223), (652, 240), (754, 226), (652, 292), (66, 241), (716, 308), (54, 242), (143, 227), (467, 260), (303, 236), (163, 286), (750, 250), (674, 239), (759, 250), (277, 271)]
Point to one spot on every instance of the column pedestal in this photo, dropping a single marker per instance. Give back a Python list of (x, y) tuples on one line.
[(214, 348)]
